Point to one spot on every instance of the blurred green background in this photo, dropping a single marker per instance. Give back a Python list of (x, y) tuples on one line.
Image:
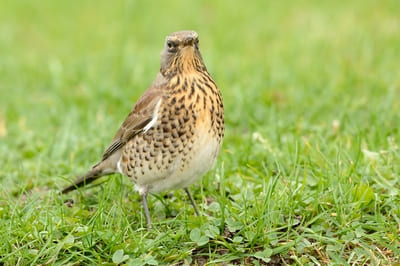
[(70, 71), (306, 84)]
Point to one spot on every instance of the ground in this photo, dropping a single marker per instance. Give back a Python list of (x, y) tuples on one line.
[(309, 171)]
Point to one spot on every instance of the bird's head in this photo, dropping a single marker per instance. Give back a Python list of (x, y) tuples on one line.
[(181, 54)]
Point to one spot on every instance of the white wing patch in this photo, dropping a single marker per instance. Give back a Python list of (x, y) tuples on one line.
[(154, 119), (119, 168)]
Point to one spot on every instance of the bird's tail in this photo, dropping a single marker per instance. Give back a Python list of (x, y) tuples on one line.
[(88, 178)]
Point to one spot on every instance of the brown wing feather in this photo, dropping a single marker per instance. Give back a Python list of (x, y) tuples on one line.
[(138, 118), (134, 124)]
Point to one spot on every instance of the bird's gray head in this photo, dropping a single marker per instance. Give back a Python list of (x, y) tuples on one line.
[(181, 54)]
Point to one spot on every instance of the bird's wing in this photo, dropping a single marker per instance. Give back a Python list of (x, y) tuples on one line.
[(140, 119)]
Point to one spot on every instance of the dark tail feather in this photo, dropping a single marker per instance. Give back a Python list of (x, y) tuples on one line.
[(84, 180)]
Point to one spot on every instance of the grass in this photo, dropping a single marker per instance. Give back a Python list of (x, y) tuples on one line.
[(309, 172)]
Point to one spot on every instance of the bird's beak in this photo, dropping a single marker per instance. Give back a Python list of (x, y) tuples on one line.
[(188, 41)]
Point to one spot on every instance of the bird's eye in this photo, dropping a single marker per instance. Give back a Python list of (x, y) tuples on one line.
[(171, 45)]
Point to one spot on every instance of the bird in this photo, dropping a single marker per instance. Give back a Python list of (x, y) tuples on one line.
[(173, 133)]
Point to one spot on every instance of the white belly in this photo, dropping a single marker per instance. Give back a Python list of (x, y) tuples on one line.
[(182, 174)]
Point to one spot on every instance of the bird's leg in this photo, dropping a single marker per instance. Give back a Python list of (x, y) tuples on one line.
[(146, 210), (192, 201)]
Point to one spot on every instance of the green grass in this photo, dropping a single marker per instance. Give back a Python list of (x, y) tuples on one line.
[(310, 167)]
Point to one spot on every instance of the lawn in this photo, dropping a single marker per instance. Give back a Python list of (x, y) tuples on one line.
[(309, 172)]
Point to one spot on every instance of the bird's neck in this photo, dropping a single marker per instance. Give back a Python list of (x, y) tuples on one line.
[(186, 69), (190, 81)]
